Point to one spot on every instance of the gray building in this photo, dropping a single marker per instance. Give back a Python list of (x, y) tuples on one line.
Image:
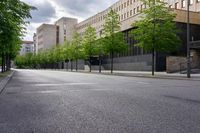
[(129, 11), (66, 28), (49, 35), (27, 47), (46, 37), (35, 42)]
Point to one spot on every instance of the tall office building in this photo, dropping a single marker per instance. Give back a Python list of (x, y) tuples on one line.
[(65, 28), (35, 43), (129, 11), (46, 36), (27, 47)]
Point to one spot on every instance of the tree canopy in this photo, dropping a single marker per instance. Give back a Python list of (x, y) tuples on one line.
[(156, 29), (13, 14), (114, 41)]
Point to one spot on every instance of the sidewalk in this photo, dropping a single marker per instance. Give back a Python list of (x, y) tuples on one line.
[(148, 74), (144, 74), (4, 80)]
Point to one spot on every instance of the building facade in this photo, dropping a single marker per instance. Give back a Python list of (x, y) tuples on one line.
[(35, 43), (27, 47), (136, 58), (46, 36), (49, 35), (66, 27), (129, 11)]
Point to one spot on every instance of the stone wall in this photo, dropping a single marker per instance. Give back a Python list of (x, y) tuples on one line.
[(80, 65), (195, 58), (130, 63), (177, 63)]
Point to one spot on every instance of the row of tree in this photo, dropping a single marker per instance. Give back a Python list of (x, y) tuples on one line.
[(12, 24), (81, 47), (155, 31)]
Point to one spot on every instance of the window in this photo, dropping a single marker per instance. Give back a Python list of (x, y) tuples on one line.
[(131, 12), (124, 4), (127, 14), (144, 6), (131, 2), (119, 8), (65, 26), (183, 4), (124, 15), (191, 2), (138, 9), (176, 5), (128, 3), (134, 11)]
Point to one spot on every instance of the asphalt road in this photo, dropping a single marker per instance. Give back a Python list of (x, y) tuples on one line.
[(64, 102)]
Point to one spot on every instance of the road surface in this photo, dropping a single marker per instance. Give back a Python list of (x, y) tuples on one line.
[(39, 101)]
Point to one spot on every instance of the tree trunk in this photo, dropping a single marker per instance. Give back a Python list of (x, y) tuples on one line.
[(67, 65), (112, 62), (76, 65), (153, 62), (63, 64), (90, 64), (9, 63), (6, 62), (2, 63), (100, 63), (71, 66)]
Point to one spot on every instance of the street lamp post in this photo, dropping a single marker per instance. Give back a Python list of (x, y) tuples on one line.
[(188, 40)]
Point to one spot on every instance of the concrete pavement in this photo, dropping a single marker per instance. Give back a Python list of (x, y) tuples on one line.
[(63, 102)]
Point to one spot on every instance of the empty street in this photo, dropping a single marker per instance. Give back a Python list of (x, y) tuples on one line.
[(41, 101)]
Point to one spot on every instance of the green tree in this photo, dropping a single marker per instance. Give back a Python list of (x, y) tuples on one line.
[(113, 39), (89, 39), (77, 47), (65, 52), (100, 51), (156, 31), (12, 20)]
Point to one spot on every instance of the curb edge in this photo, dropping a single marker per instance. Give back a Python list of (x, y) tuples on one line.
[(5, 81)]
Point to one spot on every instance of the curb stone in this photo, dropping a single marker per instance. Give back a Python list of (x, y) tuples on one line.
[(5, 81), (138, 75), (144, 76), (157, 77)]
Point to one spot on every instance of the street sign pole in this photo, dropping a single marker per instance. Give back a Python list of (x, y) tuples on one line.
[(188, 40)]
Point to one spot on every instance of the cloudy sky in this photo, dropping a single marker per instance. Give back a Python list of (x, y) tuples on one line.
[(48, 11)]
